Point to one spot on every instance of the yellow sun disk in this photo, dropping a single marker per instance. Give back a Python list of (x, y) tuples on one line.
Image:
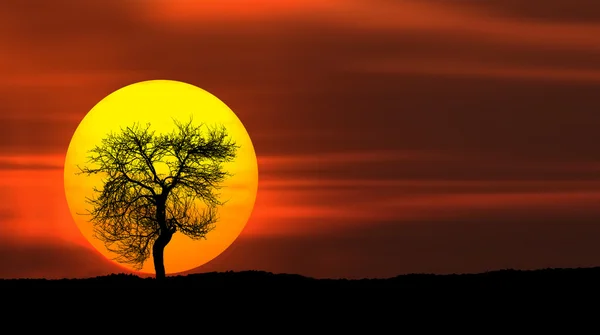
[(158, 102)]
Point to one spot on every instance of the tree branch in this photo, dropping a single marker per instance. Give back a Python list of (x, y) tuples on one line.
[(124, 211)]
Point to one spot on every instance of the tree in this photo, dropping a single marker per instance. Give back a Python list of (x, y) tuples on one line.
[(156, 185)]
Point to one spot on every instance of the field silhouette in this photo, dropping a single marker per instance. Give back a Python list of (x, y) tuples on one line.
[(499, 298), (558, 278)]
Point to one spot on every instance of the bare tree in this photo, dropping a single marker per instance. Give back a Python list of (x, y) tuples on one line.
[(155, 185)]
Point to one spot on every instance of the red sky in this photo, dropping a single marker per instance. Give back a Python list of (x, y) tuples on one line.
[(393, 136)]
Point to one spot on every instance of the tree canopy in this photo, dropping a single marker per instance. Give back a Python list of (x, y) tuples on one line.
[(157, 184)]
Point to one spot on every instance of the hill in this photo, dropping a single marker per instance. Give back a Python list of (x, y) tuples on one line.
[(558, 279), (495, 295)]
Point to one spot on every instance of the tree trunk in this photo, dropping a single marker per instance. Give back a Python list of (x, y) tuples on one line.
[(158, 252), (158, 249)]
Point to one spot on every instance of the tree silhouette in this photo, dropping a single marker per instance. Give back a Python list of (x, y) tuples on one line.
[(155, 185)]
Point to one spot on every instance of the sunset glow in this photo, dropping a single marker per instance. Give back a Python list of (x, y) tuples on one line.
[(391, 136)]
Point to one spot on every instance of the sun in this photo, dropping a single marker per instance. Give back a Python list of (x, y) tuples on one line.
[(158, 102)]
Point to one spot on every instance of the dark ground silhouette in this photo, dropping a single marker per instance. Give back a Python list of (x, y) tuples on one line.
[(557, 279), (489, 300)]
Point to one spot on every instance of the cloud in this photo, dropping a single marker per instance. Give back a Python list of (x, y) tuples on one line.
[(65, 79), (295, 85), (572, 11), (35, 136), (390, 248), (431, 186), (326, 158), (471, 69), (5, 215), (17, 166), (235, 10), (445, 18), (340, 164), (498, 119), (36, 199), (31, 163), (52, 260), (287, 206)]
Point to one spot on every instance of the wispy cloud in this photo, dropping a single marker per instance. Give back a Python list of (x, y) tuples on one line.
[(375, 121), (32, 162), (289, 207), (45, 258), (50, 80), (439, 67), (183, 11), (324, 158), (445, 18)]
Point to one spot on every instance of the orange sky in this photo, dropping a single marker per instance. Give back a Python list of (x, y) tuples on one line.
[(392, 136)]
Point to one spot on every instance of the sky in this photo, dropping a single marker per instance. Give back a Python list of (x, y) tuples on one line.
[(393, 136)]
